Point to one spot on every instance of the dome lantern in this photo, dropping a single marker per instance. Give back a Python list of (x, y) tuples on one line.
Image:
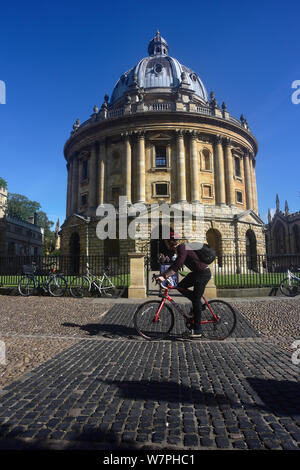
[(158, 46)]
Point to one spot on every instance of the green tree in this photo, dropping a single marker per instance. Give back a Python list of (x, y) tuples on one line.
[(20, 206), (49, 236), (3, 183)]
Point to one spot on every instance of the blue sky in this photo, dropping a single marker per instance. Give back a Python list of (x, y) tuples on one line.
[(58, 59)]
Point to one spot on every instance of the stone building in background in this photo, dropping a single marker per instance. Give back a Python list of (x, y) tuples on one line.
[(160, 138), (18, 237), (283, 232)]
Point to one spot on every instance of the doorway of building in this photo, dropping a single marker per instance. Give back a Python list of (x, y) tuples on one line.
[(214, 239), (251, 251), (74, 250), (157, 245)]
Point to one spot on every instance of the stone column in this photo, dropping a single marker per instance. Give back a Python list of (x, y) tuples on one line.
[(93, 199), (229, 172), (141, 189), (181, 179), (80, 177), (194, 168), (254, 186), (127, 153), (247, 176), (75, 183), (101, 171), (69, 179), (219, 171)]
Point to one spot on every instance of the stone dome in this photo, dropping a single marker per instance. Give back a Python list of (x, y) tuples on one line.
[(159, 72)]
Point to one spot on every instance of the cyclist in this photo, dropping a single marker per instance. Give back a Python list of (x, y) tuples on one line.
[(198, 277)]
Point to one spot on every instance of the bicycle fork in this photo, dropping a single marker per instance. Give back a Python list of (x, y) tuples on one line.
[(156, 318)]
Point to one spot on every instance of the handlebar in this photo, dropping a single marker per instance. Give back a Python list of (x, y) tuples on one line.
[(154, 278)]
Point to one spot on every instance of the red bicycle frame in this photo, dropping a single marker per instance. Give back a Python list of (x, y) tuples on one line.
[(172, 301)]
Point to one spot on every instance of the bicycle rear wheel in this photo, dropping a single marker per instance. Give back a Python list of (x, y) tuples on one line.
[(289, 287), (26, 285), (57, 285), (219, 322), (151, 325), (79, 286), (112, 287)]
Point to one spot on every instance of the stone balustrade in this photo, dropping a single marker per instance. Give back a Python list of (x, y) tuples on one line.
[(104, 113)]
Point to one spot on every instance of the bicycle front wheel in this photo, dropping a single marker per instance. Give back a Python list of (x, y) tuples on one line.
[(26, 286), (289, 287), (79, 286), (57, 285), (218, 320), (151, 323), (112, 287)]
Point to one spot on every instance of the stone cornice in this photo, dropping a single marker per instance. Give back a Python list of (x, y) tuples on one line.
[(152, 121)]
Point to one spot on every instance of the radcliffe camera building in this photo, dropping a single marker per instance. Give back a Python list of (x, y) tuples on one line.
[(160, 137)]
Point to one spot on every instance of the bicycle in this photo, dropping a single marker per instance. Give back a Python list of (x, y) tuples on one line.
[(155, 319), (106, 285), (54, 284), (290, 286)]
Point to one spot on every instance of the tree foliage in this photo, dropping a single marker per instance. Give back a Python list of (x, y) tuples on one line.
[(49, 236), (3, 183), (23, 208), (20, 206)]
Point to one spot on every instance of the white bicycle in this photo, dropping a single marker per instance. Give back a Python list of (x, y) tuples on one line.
[(106, 285), (290, 286)]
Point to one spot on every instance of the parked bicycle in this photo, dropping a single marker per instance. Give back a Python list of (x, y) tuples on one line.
[(290, 286), (155, 319), (53, 283), (106, 285)]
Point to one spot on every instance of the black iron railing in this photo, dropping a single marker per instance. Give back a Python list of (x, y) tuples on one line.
[(231, 271), (11, 267)]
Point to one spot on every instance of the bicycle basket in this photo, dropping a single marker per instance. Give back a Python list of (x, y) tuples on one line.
[(29, 269)]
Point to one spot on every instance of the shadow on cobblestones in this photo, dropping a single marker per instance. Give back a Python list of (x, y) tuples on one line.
[(169, 393), (89, 439), (94, 329), (279, 397)]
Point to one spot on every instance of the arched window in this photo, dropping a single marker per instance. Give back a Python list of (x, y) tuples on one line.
[(115, 162), (237, 167), (251, 251), (214, 239), (160, 156), (84, 170), (296, 235), (279, 238), (205, 160)]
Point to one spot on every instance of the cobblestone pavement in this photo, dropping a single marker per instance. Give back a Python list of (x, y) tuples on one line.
[(111, 389)]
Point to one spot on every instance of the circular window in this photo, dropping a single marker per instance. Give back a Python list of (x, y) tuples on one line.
[(194, 77), (158, 68)]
